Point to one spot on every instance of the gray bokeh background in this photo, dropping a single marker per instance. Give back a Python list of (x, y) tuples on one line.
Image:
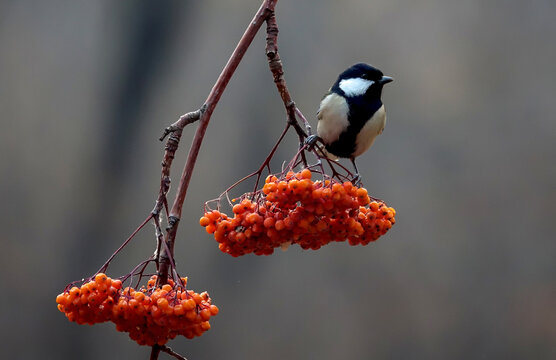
[(467, 159)]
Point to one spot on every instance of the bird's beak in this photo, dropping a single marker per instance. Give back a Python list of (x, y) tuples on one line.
[(385, 80)]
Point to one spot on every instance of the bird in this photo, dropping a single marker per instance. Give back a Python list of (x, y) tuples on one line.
[(351, 114)]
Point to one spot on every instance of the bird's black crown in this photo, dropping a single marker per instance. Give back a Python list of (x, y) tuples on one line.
[(361, 70)]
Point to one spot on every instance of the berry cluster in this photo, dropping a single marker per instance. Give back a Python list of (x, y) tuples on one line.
[(151, 315), (300, 211)]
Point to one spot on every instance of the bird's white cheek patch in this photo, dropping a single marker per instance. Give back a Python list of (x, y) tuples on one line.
[(355, 86)]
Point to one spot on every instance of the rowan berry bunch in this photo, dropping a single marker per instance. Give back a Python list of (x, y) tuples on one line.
[(298, 210), (150, 315)]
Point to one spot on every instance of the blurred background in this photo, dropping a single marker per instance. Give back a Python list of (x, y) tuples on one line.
[(467, 160)]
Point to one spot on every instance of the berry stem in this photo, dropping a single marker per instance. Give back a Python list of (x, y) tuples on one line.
[(105, 266)]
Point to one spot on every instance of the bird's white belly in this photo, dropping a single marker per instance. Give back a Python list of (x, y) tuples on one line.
[(370, 131), (333, 117)]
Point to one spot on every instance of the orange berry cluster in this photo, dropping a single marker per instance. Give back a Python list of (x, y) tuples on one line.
[(151, 315), (300, 211)]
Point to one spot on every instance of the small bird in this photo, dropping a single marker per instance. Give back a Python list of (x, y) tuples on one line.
[(351, 113)]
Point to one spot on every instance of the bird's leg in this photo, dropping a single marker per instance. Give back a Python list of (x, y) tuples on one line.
[(357, 177)]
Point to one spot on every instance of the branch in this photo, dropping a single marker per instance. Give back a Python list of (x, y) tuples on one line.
[(155, 350), (275, 64), (182, 122), (171, 146), (169, 153), (266, 8), (169, 351)]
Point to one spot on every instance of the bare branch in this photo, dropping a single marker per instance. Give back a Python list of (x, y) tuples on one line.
[(155, 350), (168, 350), (267, 8), (275, 64), (182, 122)]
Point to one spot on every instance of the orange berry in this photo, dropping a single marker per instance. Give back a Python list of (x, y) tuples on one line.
[(337, 187), (279, 225), (61, 299), (317, 193), (205, 314), (293, 185), (117, 284), (204, 221), (303, 224), (198, 298), (288, 222), (306, 174), (156, 311), (214, 310), (139, 296), (270, 187), (282, 186), (254, 218), (246, 203), (210, 229), (321, 226), (238, 209), (100, 278), (162, 303), (179, 309), (269, 222), (213, 215), (189, 304), (361, 192), (240, 237), (191, 315)]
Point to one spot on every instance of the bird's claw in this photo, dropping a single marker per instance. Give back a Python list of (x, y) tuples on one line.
[(311, 140), (357, 180)]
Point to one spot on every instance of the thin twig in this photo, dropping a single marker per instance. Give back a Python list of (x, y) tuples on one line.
[(169, 351), (105, 266), (182, 122)]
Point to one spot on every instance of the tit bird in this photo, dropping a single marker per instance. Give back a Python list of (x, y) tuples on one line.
[(351, 114)]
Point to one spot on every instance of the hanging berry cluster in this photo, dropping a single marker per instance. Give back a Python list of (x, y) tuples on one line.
[(301, 211), (151, 315)]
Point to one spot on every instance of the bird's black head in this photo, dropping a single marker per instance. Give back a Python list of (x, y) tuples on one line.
[(361, 79)]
